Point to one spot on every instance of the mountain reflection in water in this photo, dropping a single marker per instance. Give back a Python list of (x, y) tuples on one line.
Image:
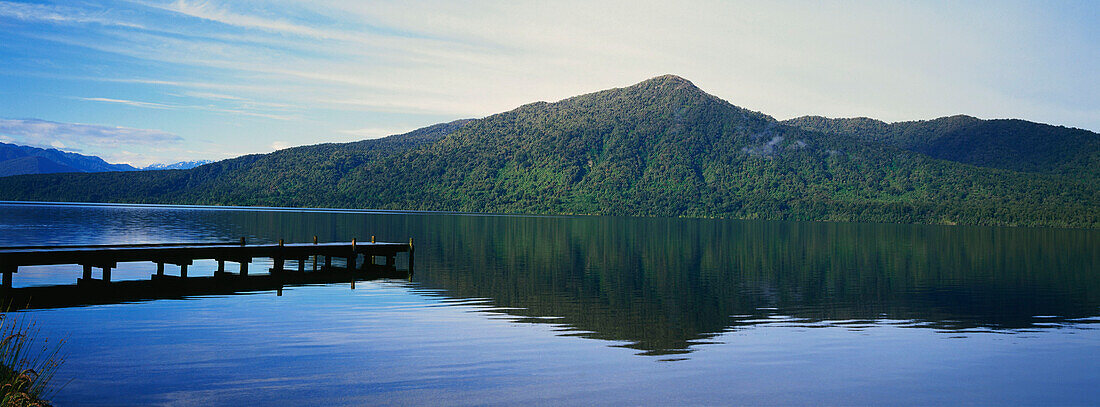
[(661, 286)]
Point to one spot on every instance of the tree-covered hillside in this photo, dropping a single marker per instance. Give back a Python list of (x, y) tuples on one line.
[(1008, 144), (659, 148)]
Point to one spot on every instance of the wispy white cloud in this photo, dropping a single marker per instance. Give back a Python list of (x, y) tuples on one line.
[(139, 147), (241, 101), (107, 142), (59, 15), (134, 103), (43, 132), (208, 11), (165, 106)]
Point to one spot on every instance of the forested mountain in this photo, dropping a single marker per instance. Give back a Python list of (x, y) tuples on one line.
[(662, 147), (16, 160), (1008, 144)]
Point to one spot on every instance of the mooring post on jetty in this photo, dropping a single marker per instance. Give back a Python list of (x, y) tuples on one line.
[(410, 255), (353, 256), (315, 255)]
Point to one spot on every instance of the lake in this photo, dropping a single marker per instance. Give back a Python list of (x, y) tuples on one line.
[(586, 310)]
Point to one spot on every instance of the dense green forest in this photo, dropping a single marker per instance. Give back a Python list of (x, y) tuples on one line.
[(1007, 144), (659, 148)]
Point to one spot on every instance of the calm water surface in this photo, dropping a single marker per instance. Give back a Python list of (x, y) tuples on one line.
[(585, 310)]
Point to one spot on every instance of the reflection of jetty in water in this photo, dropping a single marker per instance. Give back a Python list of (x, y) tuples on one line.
[(173, 287), (106, 257)]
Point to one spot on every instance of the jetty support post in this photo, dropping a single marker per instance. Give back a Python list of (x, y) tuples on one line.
[(279, 259), (8, 271), (183, 263), (107, 270), (221, 265)]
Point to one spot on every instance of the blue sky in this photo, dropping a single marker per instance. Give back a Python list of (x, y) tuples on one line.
[(148, 81)]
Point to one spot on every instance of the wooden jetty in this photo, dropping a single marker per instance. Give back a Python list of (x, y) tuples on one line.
[(107, 257)]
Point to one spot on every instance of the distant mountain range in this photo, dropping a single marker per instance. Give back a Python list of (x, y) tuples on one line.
[(662, 147), (182, 165), (21, 160)]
